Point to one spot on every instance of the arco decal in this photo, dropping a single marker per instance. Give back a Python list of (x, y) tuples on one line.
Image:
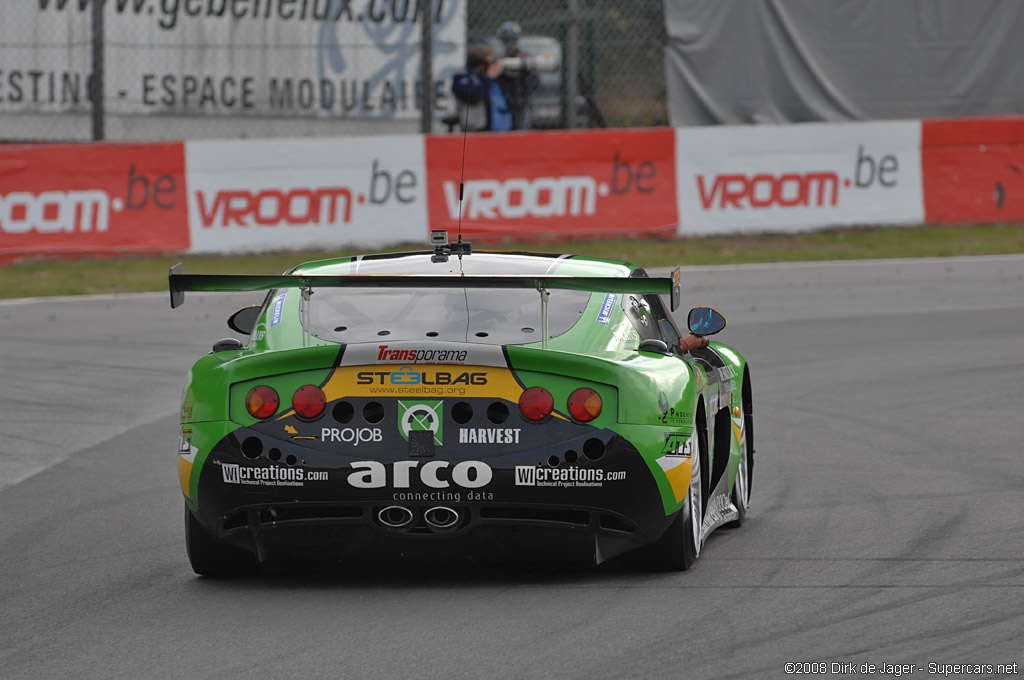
[(436, 474)]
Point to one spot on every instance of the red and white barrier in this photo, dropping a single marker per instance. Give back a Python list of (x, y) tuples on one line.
[(537, 185), (305, 193), (248, 195), (798, 177), (973, 170), (68, 199)]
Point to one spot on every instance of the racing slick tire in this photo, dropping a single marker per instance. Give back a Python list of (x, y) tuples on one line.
[(740, 495), (211, 558), (679, 547)]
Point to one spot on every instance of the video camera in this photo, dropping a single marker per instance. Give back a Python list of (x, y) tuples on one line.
[(539, 62)]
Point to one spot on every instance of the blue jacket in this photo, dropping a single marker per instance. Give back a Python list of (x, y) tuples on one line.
[(483, 100)]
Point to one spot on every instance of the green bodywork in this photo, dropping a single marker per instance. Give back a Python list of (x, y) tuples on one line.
[(634, 386)]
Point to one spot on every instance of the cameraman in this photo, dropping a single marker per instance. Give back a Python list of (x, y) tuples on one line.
[(516, 80), (480, 100)]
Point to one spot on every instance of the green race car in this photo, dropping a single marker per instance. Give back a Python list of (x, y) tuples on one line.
[(459, 403)]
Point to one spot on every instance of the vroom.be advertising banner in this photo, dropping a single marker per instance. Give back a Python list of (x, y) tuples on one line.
[(77, 198), (536, 185), (973, 170), (798, 177), (250, 195)]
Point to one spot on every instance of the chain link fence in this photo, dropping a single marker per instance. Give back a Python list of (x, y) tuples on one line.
[(187, 69), (615, 49)]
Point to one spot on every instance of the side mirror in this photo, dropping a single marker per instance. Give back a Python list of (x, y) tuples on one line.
[(244, 320), (705, 321)]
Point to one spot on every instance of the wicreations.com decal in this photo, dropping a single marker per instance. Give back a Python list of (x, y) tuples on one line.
[(795, 177), (570, 477), (273, 475), (270, 194), (605, 182)]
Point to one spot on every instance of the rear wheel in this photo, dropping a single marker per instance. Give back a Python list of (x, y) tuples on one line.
[(744, 473), (212, 558), (679, 547), (741, 487)]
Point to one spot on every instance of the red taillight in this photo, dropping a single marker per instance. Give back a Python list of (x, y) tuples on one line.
[(584, 404), (261, 402), (536, 404), (309, 402)]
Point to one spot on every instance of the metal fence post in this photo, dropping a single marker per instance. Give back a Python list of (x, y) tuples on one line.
[(427, 70), (572, 65), (96, 82)]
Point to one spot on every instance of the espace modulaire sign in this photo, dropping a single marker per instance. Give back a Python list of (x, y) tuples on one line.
[(525, 185), (796, 177), (277, 58), (249, 195)]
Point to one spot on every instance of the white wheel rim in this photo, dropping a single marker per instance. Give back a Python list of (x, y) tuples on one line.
[(695, 502), (742, 496)]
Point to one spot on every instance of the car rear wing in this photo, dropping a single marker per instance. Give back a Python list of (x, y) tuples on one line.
[(180, 282)]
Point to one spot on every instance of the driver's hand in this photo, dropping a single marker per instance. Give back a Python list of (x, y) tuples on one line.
[(692, 341)]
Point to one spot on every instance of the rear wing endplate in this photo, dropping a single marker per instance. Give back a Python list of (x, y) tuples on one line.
[(180, 282)]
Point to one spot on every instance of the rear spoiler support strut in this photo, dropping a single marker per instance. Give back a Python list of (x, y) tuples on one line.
[(544, 295)]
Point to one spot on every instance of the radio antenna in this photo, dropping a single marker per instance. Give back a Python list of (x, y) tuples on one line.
[(443, 248), (462, 171), (461, 248)]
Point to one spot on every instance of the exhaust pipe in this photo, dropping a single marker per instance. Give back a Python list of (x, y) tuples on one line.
[(441, 518), (396, 518)]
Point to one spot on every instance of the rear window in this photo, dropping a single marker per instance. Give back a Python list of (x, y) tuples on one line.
[(495, 317)]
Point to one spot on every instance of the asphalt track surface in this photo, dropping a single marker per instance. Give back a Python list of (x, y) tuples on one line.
[(887, 523)]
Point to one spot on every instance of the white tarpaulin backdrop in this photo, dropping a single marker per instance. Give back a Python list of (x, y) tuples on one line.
[(790, 61)]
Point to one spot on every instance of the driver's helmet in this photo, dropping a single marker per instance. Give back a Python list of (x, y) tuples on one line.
[(509, 32)]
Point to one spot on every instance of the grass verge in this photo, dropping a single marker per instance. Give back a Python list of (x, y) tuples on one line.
[(135, 273)]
